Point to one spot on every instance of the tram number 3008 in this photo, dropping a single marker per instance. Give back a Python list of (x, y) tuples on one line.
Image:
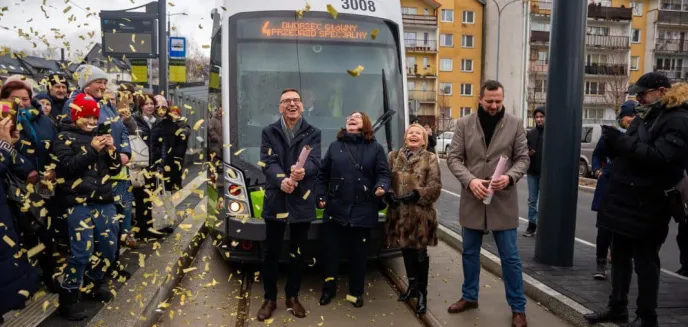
[(363, 5)]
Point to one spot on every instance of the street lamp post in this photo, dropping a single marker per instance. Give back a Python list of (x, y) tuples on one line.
[(499, 29), (169, 29)]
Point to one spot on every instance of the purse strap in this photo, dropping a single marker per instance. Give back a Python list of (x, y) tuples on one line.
[(357, 166)]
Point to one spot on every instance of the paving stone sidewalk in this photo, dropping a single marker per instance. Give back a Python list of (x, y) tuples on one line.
[(577, 282)]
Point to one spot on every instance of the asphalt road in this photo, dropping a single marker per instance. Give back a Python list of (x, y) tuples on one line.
[(585, 218)]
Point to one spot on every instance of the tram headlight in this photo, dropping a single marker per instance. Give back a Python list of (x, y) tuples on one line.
[(235, 207)]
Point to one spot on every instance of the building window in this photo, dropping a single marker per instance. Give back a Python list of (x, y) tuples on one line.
[(468, 17), (540, 26), (467, 41), (637, 8), (447, 40), (409, 11), (594, 88), (466, 89), (596, 59), (540, 86), (446, 65), (598, 30), (448, 15), (426, 11), (426, 62), (465, 111), (635, 62), (593, 113), (446, 88), (635, 35), (411, 85), (467, 65), (670, 4)]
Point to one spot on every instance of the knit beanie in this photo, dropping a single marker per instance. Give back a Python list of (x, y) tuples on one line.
[(22, 79), (84, 106), (87, 74), (161, 101)]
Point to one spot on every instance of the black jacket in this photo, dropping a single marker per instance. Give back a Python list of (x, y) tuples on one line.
[(535, 139), (177, 135), (278, 156), (76, 161), (349, 193), (646, 163), (432, 143), (155, 138)]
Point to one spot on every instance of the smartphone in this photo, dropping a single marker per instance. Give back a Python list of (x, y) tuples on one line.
[(103, 129), (7, 109)]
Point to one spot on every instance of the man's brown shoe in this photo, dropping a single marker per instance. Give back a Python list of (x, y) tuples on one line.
[(519, 320), (266, 310), (462, 306), (295, 307)]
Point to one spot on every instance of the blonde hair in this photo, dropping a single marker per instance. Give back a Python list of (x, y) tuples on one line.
[(676, 95), (425, 134)]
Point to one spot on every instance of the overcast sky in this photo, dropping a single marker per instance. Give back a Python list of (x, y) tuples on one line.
[(27, 14)]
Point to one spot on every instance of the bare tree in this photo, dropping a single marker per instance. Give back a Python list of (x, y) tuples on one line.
[(536, 90), (616, 78), (444, 103), (197, 64)]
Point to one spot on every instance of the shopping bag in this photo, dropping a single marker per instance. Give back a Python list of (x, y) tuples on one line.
[(163, 209)]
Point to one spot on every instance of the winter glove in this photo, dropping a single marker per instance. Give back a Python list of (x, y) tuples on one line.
[(391, 199), (410, 197)]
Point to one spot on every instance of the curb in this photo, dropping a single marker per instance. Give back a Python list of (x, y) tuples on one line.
[(428, 318), (559, 304), (139, 299)]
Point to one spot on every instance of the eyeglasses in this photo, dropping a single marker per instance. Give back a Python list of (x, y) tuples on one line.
[(643, 93), (287, 101), (355, 116)]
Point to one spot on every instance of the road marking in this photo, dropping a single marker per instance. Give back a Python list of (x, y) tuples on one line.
[(582, 241)]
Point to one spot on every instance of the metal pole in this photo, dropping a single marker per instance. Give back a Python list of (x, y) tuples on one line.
[(499, 38), (559, 178), (162, 20)]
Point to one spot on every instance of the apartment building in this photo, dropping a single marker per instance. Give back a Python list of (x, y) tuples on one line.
[(666, 27), (443, 42), (616, 54)]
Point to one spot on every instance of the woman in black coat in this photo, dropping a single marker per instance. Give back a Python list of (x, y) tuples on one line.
[(352, 181), (179, 132), (151, 129), (17, 274)]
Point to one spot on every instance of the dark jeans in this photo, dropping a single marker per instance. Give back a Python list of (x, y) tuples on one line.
[(274, 237), (144, 209), (682, 240), (175, 175), (335, 237), (604, 241), (644, 253)]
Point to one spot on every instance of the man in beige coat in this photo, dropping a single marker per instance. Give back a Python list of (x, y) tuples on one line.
[(479, 141)]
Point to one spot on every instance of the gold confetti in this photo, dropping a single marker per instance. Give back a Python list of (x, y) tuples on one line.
[(188, 269), (46, 304), (305, 196), (261, 164), (67, 9), (8, 240), (280, 175), (131, 46), (351, 298), (76, 183), (239, 152), (329, 279), (205, 46), (35, 250), (198, 124), (133, 38), (25, 293), (282, 215), (356, 71), (374, 33), (299, 13), (171, 4), (332, 11), (142, 260)]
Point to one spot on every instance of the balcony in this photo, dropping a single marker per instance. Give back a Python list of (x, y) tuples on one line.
[(595, 99), (536, 95), (670, 17), (425, 46), (674, 75), (423, 96), (539, 66), (412, 72), (671, 46), (607, 69), (608, 41), (420, 20), (594, 11), (593, 41)]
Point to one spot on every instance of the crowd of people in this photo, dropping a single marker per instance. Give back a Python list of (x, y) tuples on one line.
[(77, 167)]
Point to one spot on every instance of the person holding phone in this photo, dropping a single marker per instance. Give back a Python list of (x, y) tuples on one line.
[(86, 160)]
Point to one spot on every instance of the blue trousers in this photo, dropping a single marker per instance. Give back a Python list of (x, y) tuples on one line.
[(511, 266), (93, 231), (533, 198)]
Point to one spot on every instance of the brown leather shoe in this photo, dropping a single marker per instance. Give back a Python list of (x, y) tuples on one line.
[(461, 306), (295, 307), (266, 310), (519, 320)]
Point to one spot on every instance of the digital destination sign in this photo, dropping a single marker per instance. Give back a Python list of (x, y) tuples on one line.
[(314, 30)]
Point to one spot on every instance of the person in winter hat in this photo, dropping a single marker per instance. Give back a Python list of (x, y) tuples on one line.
[(86, 161), (58, 94)]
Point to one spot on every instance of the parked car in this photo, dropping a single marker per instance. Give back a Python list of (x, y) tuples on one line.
[(590, 134), (443, 142)]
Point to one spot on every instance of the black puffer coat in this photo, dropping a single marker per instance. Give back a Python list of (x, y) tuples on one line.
[(77, 160), (155, 138), (349, 193), (646, 163)]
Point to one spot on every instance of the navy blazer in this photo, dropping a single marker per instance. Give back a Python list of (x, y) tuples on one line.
[(278, 156)]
